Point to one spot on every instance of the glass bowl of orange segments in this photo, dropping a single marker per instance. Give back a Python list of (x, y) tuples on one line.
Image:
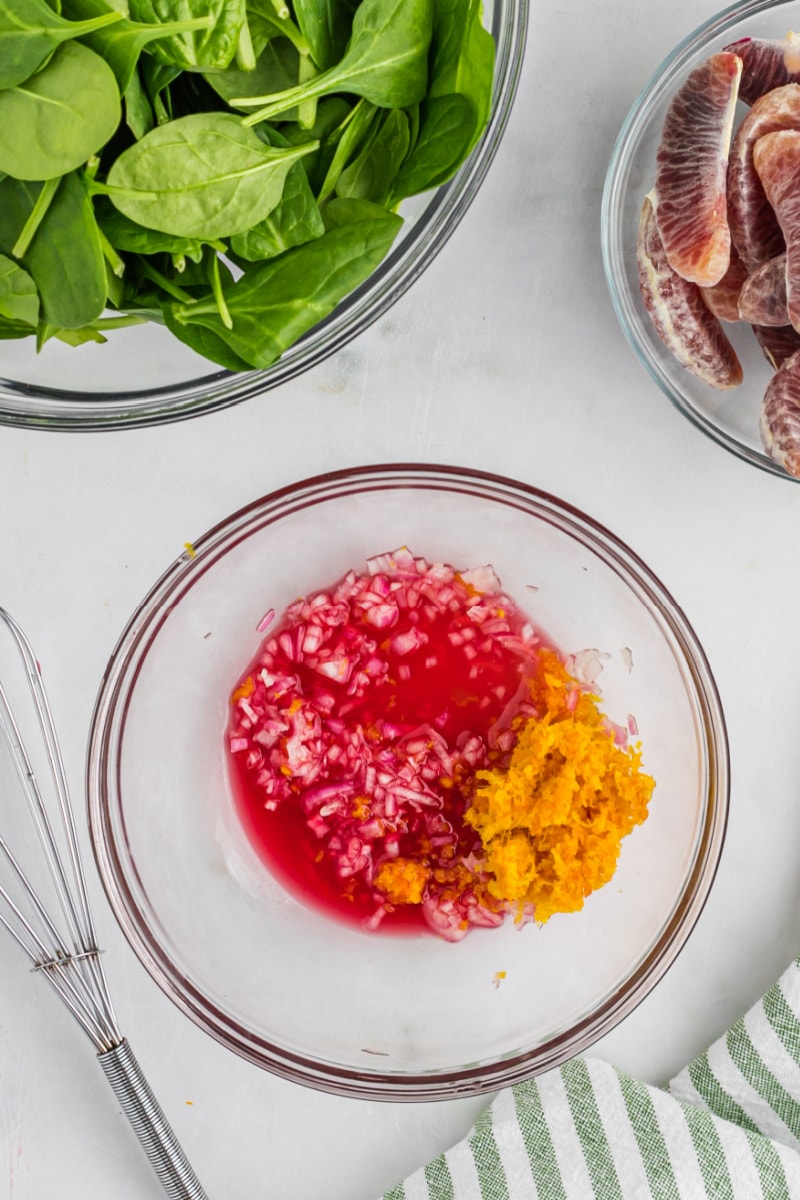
[(730, 418)]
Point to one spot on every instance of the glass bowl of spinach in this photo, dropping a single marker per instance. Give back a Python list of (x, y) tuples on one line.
[(199, 201)]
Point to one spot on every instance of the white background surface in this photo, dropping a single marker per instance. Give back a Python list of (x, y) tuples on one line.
[(505, 356)]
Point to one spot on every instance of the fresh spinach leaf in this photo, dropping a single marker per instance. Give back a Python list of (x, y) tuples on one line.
[(132, 238), (10, 330), (331, 118), (446, 133), (341, 210), (350, 136), (457, 107), (213, 47), (274, 303), (326, 26), (139, 115), (79, 337), (121, 45), (386, 61), (463, 56), (205, 342), (203, 176), (371, 174), (30, 31), (156, 78), (295, 220), (265, 25), (276, 69), (60, 117), (19, 299), (65, 258)]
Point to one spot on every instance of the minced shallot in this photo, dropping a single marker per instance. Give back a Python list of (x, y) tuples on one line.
[(367, 715)]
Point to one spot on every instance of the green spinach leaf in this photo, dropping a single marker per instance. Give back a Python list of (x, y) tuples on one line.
[(121, 45), (326, 26), (59, 118), (463, 56), (295, 220), (132, 238), (19, 299), (371, 174), (30, 31), (10, 330), (348, 139), (276, 69), (65, 258), (265, 25), (446, 133), (347, 210), (386, 61), (457, 107), (206, 342), (139, 115), (213, 47), (156, 79), (275, 303), (203, 176)]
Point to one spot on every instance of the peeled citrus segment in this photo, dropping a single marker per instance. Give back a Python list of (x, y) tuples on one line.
[(776, 157), (766, 64), (681, 317), (754, 227), (780, 416), (691, 169), (723, 297), (777, 343), (762, 300)]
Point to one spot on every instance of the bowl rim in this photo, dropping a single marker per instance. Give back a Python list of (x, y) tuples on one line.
[(31, 406), (660, 82), (102, 783)]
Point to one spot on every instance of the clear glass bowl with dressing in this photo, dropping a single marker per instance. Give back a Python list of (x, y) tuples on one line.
[(316, 1000)]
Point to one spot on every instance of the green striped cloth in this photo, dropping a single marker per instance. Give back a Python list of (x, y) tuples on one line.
[(727, 1127)]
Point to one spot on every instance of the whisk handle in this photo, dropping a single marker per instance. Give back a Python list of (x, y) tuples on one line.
[(149, 1123)]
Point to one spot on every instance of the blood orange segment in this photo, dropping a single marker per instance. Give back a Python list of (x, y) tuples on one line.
[(681, 317), (691, 170), (777, 343), (754, 228), (766, 64), (762, 300), (776, 157), (780, 416), (723, 297)]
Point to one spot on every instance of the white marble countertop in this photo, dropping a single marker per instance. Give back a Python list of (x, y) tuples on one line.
[(506, 356)]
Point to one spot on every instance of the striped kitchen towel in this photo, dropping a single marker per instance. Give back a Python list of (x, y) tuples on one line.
[(727, 1127)]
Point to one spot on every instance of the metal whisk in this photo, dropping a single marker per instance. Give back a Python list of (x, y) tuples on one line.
[(63, 946)]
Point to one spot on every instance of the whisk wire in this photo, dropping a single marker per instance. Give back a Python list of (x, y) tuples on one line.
[(72, 964), (64, 971), (76, 909)]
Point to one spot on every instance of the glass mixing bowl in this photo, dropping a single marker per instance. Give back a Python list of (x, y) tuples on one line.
[(309, 997), (145, 376), (730, 418)]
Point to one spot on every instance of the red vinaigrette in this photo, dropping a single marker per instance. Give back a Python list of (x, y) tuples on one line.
[(357, 733)]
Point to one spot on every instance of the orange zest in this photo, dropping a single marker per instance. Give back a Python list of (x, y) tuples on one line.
[(551, 821)]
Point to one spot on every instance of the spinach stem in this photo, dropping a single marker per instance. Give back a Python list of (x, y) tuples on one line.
[(150, 272), (120, 322), (112, 258), (281, 8), (245, 54), (37, 214), (219, 295), (307, 109)]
